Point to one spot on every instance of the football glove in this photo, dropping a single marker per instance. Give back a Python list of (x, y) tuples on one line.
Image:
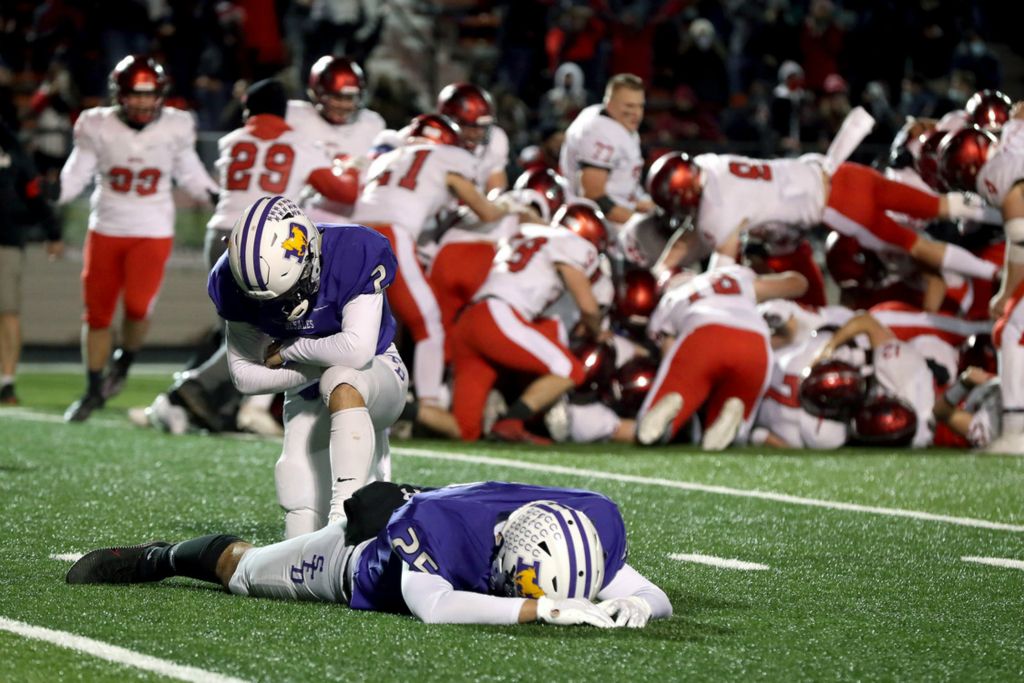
[(633, 612), (569, 611)]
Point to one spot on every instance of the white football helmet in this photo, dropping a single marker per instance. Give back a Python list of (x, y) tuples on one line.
[(548, 549), (274, 252)]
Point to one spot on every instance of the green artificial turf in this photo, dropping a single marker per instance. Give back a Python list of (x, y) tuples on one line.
[(849, 595)]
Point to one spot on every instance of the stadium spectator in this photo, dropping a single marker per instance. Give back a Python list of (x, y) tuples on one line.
[(702, 65), (578, 35), (975, 56), (566, 99), (790, 108), (821, 42), (412, 550), (22, 204), (131, 151)]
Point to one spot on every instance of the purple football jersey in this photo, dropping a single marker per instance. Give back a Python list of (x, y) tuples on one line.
[(455, 528), (349, 259)]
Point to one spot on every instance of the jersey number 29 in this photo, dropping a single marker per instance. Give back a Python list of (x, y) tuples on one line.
[(277, 162)]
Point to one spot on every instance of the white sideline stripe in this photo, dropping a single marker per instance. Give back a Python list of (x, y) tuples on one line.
[(67, 557), (995, 561), (708, 488), (138, 369), (36, 416), (113, 653), (722, 562)]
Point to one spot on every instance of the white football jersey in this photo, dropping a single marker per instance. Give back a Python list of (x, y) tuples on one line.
[(780, 411), (724, 296), (1005, 165), (263, 157), (469, 228), (808, 318), (491, 157), (903, 372), (524, 272), (740, 192), (596, 139), (345, 142), (132, 171), (643, 238), (408, 185)]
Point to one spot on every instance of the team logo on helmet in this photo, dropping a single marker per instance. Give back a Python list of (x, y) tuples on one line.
[(525, 579), (295, 245)]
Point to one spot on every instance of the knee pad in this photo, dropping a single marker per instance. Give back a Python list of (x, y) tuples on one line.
[(335, 376)]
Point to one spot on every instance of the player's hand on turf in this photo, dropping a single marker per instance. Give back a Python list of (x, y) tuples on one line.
[(572, 611), (632, 612)]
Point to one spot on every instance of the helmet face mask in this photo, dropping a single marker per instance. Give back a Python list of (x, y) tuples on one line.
[(138, 86), (547, 549), (274, 254)]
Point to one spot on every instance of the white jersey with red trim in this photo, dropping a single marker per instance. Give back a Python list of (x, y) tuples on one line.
[(780, 411), (343, 141), (1005, 165), (903, 372), (525, 274), (596, 139), (740, 192), (492, 157), (132, 171), (724, 296), (408, 185), (263, 157)]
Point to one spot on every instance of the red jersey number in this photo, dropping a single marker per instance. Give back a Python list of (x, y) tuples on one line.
[(789, 396), (525, 249), (410, 180), (742, 169), (277, 164), (145, 182)]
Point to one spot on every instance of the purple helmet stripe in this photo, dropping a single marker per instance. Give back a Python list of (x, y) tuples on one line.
[(569, 543), (256, 244), (586, 551), (245, 238)]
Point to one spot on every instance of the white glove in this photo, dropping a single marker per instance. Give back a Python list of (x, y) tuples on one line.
[(633, 611), (572, 611)]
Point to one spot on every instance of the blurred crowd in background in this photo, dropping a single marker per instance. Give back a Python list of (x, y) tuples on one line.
[(760, 77)]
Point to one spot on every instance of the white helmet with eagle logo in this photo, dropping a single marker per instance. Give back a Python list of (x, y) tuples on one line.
[(548, 549), (274, 253)]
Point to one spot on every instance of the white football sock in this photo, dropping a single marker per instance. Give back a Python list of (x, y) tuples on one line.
[(428, 368), (1013, 422), (352, 447), (959, 260)]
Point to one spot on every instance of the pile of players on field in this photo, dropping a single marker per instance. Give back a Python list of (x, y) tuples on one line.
[(686, 332)]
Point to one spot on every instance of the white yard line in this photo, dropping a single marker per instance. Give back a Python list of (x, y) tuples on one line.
[(148, 369), (995, 562), (707, 488), (67, 557), (113, 653), (721, 562)]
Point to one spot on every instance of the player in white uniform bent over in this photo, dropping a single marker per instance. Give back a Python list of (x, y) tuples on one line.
[(306, 314), (601, 157), (716, 354), (1001, 183), (131, 152), (486, 553), (406, 188), (502, 329), (337, 119)]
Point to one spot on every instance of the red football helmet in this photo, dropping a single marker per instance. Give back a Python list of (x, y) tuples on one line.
[(585, 221), (552, 186), (832, 389), (849, 264), (636, 297), (138, 75), (675, 182), (598, 369), (435, 128), (632, 382), (961, 156), (471, 107), (927, 162), (979, 351), (336, 87), (885, 421), (989, 109)]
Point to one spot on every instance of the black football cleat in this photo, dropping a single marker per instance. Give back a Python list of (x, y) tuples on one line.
[(191, 395), (80, 410), (113, 565), (7, 395), (117, 375)]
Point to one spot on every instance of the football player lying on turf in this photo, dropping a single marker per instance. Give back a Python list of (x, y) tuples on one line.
[(484, 553)]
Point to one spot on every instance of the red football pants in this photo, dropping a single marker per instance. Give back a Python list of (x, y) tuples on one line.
[(111, 265), (458, 271)]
